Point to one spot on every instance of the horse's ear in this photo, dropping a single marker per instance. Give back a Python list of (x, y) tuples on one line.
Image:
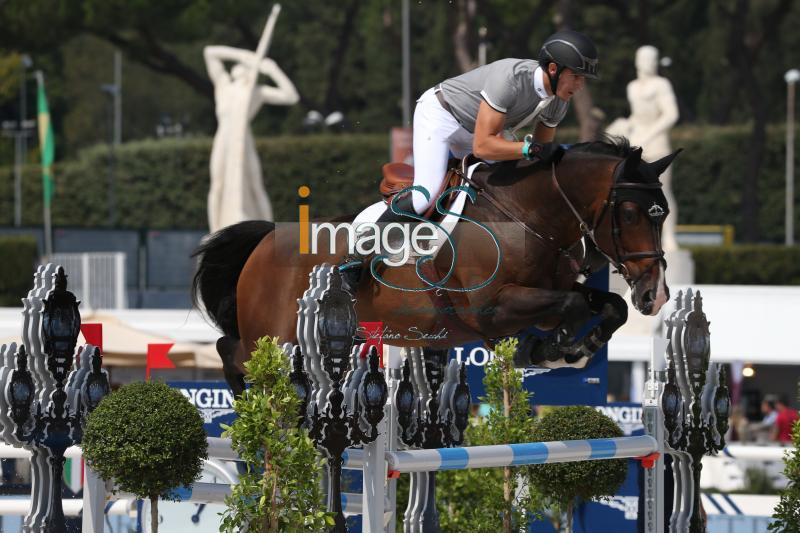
[(656, 168), (632, 162)]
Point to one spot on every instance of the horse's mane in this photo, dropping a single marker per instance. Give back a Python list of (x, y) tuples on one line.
[(607, 144), (509, 172)]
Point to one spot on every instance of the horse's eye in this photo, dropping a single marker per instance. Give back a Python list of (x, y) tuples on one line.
[(629, 215)]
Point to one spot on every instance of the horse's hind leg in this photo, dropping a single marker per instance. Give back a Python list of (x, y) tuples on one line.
[(228, 348)]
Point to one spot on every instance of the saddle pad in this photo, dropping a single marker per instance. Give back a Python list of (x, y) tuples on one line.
[(373, 212)]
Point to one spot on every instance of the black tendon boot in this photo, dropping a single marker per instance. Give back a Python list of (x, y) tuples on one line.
[(352, 266)]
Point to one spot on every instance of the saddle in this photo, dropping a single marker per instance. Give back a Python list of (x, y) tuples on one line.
[(398, 176)]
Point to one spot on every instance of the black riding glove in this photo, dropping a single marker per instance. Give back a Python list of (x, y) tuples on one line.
[(544, 152)]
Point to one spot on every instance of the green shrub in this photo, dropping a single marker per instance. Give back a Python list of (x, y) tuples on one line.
[(483, 499), (149, 439), (164, 184), (564, 484), (19, 257), (281, 489), (787, 512), (747, 264)]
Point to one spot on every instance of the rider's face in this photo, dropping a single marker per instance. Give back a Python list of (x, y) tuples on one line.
[(569, 83)]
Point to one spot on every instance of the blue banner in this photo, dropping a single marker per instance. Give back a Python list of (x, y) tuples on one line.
[(213, 400)]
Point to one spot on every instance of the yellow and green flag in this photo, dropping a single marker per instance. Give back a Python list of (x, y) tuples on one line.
[(47, 144)]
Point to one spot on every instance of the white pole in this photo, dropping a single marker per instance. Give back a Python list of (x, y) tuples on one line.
[(18, 151), (406, 65), (94, 501), (791, 77), (119, 281), (482, 46), (653, 420), (373, 495)]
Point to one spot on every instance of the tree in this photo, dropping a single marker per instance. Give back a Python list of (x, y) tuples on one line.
[(566, 483), (149, 439), (787, 512), (475, 500), (749, 29), (281, 489)]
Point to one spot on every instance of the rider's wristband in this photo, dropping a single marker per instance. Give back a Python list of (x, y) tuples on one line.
[(525, 147)]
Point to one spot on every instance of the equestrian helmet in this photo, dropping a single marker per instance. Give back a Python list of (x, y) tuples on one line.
[(573, 50)]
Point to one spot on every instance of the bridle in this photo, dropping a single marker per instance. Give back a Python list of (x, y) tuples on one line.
[(611, 203), (588, 230)]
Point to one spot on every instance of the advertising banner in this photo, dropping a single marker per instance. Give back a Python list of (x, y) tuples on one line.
[(213, 400)]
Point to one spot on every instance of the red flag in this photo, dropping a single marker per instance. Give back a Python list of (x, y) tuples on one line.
[(373, 331), (93, 334), (157, 357)]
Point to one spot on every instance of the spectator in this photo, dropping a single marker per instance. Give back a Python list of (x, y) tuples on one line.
[(784, 421), (765, 429), (738, 426)]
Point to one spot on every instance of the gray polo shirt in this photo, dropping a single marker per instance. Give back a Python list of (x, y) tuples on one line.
[(508, 86)]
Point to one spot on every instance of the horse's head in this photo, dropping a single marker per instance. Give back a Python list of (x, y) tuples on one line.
[(629, 231)]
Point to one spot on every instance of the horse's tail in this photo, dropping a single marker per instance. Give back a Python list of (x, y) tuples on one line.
[(222, 258)]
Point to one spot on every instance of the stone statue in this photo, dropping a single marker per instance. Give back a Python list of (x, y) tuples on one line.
[(237, 190), (653, 113)]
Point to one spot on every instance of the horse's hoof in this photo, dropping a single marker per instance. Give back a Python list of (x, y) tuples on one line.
[(541, 350), (552, 351), (525, 349)]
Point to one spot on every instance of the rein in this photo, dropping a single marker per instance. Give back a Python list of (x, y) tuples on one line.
[(586, 229)]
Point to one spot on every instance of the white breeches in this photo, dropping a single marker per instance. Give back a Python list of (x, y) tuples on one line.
[(436, 134)]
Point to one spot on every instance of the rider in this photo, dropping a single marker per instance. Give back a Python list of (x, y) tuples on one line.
[(468, 113)]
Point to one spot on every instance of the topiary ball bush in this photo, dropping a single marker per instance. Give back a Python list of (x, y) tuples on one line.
[(585, 480), (148, 438)]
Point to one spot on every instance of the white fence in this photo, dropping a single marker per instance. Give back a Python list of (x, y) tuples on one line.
[(97, 279)]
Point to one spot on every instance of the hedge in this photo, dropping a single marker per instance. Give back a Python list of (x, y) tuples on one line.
[(709, 178), (746, 265), (164, 184), (19, 258)]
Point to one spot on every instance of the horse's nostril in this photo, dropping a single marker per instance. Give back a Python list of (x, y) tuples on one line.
[(649, 296)]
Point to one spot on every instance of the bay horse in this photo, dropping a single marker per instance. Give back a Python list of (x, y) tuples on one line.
[(550, 224)]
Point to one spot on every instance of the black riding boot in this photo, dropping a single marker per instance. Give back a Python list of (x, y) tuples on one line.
[(352, 267)]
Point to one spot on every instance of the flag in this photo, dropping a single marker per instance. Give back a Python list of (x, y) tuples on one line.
[(157, 358), (93, 334), (47, 144)]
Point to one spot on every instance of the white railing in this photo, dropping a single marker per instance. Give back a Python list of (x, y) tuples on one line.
[(97, 279)]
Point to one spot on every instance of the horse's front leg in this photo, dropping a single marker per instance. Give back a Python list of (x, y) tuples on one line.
[(516, 308), (553, 352), (613, 312), (610, 306)]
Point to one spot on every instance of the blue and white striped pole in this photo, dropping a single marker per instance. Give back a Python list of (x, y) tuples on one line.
[(520, 454)]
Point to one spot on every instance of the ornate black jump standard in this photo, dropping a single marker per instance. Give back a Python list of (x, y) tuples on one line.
[(436, 426), (338, 423), (64, 397), (695, 403), (433, 401)]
